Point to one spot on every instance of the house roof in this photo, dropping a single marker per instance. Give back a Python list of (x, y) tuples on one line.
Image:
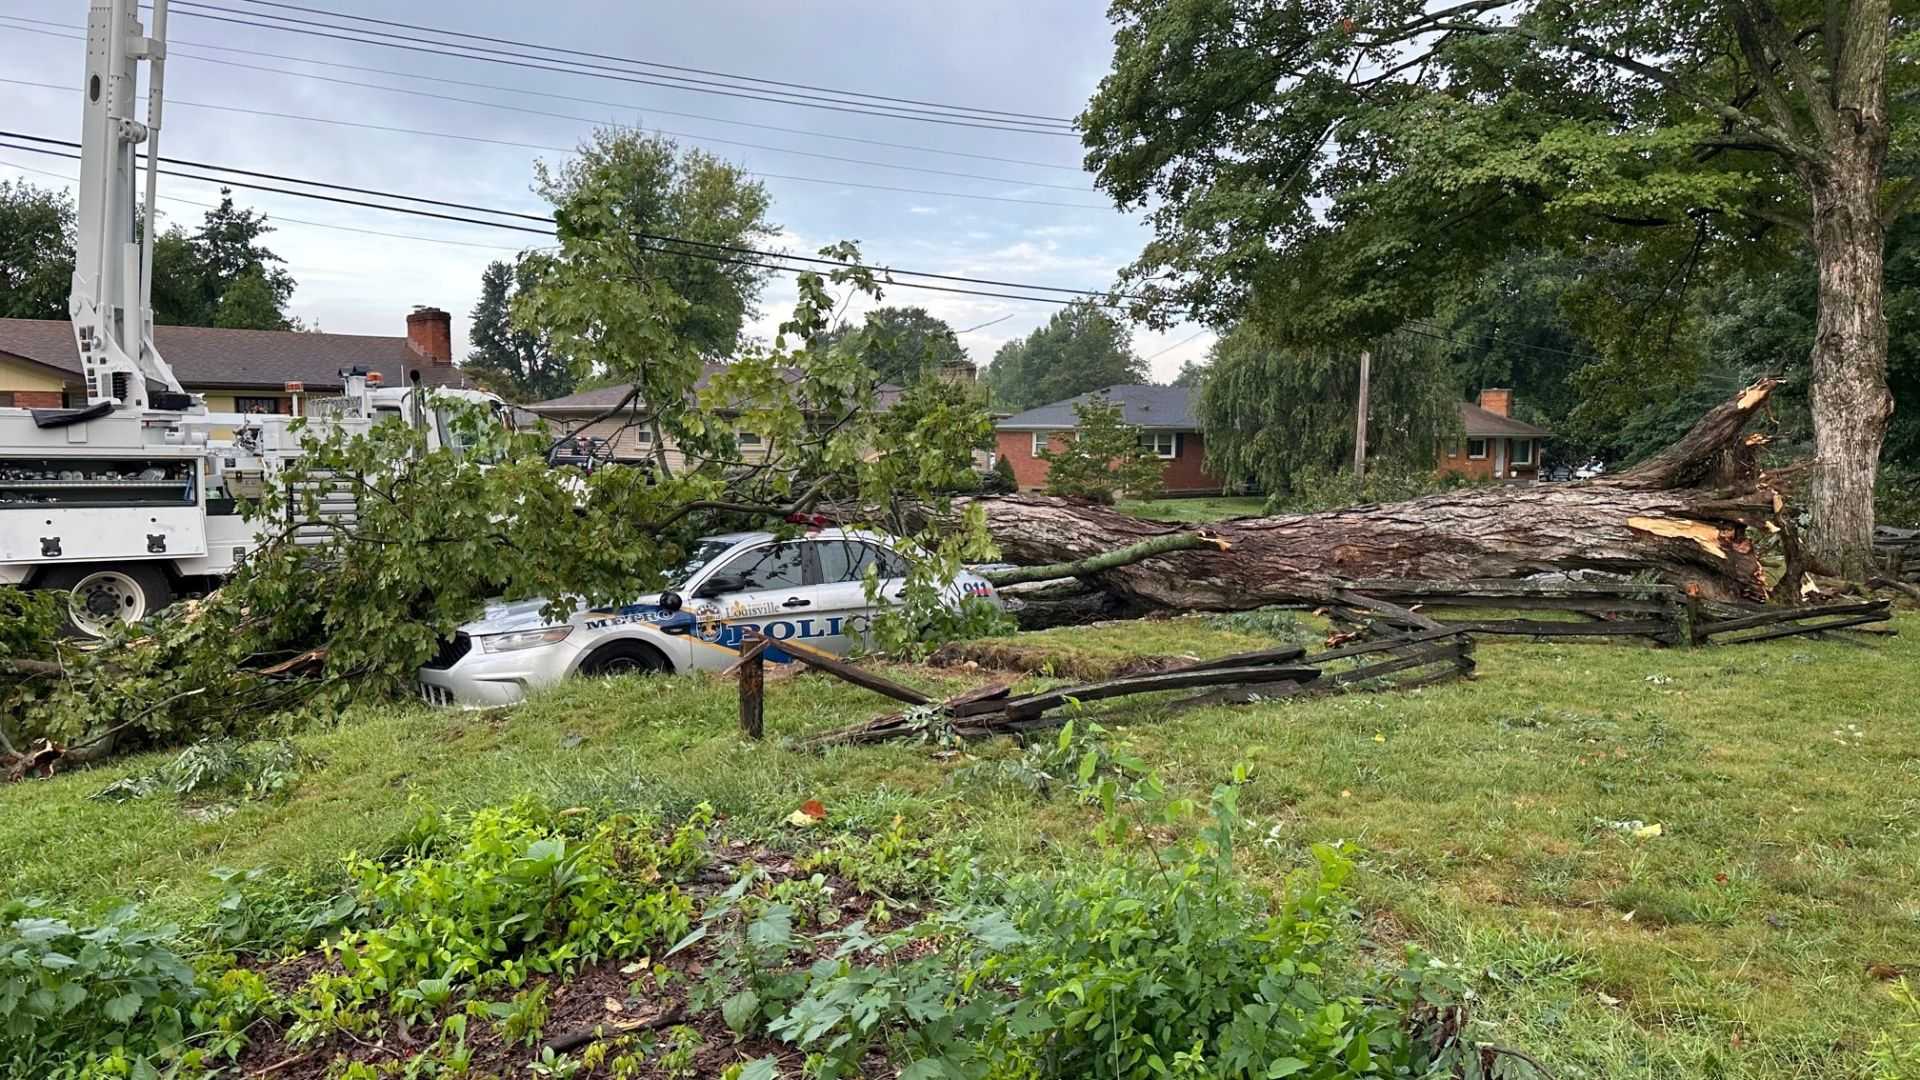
[(600, 399), (204, 356), (1481, 423), (1164, 408)]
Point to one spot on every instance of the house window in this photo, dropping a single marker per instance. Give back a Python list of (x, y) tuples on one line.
[(747, 438), (1522, 452), (1040, 441), (643, 436), (1477, 449), (1164, 444), (256, 404), (1453, 450)]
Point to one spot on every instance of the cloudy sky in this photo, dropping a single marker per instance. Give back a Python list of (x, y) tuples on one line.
[(1032, 217)]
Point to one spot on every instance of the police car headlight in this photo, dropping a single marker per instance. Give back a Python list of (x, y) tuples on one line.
[(525, 639)]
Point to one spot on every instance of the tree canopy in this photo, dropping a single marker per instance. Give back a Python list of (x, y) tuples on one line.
[(222, 274), (36, 251), (901, 344), (1082, 348), (637, 215), (1335, 170), (515, 362), (1273, 414)]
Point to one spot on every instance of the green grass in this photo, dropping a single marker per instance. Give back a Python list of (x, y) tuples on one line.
[(1738, 943), (1208, 508)]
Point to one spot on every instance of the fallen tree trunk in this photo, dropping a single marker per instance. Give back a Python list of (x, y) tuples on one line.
[(1651, 518)]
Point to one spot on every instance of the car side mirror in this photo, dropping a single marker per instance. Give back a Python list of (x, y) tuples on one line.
[(670, 602), (714, 586)]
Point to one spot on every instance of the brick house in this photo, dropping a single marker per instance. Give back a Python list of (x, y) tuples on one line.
[(1493, 444), (1164, 415), (236, 370)]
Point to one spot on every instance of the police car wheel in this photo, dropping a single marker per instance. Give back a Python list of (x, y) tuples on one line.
[(623, 658)]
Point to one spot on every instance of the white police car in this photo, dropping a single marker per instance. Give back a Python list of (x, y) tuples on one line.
[(810, 588)]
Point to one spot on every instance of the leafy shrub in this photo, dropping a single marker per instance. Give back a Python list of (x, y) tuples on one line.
[(262, 912), (1000, 479), (1314, 490), (215, 768), (1103, 457), (1157, 963), (73, 996), (519, 893)]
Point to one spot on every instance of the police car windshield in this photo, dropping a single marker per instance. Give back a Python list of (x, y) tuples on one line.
[(702, 553)]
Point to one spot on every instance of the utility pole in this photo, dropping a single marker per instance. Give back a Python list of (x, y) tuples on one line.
[(1360, 426)]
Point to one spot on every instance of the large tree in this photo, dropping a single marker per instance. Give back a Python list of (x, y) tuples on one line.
[(1342, 166), (1083, 347), (903, 343), (36, 251), (222, 274), (637, 214), (1273, 414), (515, 362)]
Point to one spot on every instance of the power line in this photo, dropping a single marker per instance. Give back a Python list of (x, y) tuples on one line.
[(283, 218), (174, 51), (598, 72), (679, 82), (433, 133), (886, 273), (1013, 181), (1439, 334), (651, 63), (1183, 341)]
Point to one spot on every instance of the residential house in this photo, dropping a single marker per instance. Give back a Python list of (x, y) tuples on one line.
[(237, 370), (1493, 444), (614, 425), (1164, 415)]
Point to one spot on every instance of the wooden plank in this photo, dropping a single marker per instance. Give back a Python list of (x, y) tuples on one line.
[(1789, 631), (1382, 607), (1361, 648), (1256, 658), (1431, 655), (831, 664), (753, 687), (1035, 704), (1238, 695), (1767, 618), (1547, 628)]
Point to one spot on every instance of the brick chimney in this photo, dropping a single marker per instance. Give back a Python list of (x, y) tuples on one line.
[(1497, 401), (430, 334)]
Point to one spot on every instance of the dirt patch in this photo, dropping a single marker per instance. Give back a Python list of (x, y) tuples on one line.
[(994, 655)]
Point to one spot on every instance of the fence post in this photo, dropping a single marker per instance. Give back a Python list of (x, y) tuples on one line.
[(753, 685)]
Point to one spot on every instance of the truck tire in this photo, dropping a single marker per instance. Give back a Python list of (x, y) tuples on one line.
[(623, 658), (104, 594)]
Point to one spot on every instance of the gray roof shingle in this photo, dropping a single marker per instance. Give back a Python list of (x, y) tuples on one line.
[(204, 356), (1483, 422), (1164, 408)]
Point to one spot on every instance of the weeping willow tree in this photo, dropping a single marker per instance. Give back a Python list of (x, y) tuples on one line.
[(1273, 415)]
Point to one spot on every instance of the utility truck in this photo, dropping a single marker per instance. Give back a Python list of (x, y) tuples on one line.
[(135, 497)]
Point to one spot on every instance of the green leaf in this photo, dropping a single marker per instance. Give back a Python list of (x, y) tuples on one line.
[(739, 1010), (1285, 1066), (123, 1009), (765, 1068)]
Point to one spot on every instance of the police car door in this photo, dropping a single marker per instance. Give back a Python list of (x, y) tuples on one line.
[(763, 588), (842, 596)]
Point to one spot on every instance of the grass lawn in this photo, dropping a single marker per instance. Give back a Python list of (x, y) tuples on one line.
[(1498, 823), (1208, 508)]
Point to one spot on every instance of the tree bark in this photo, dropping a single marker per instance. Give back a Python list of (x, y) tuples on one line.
[(1851, 404), (1651, 518)]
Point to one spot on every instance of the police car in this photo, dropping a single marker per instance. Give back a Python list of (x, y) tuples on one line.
[(809, 588)]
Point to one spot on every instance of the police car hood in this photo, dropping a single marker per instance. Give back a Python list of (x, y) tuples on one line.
[(507, 616)]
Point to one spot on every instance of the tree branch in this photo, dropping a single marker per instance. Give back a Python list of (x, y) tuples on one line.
[(1126, 556), (1903, 194), (1787, 141)]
